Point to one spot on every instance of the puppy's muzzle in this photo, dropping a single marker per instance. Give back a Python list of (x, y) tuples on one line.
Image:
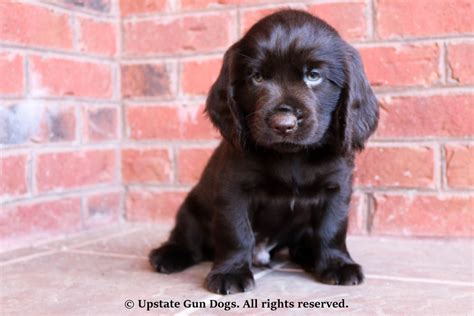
[(284, 121)]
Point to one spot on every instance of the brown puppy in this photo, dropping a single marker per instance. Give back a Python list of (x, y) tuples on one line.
[(293, 105)]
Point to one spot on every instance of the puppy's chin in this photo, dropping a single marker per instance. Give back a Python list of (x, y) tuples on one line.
[(284, 147)]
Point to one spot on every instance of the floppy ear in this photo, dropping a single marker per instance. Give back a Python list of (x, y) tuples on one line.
[(221, 106), (359, 110)]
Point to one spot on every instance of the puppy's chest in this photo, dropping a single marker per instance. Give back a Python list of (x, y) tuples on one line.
[(293, 183)]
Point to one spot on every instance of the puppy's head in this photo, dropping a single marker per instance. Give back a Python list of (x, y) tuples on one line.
[(292, 83)]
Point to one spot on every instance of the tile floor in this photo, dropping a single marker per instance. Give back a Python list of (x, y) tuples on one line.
[(95, 273)]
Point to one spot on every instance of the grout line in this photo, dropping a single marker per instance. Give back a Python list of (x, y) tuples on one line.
[(56, 53), (26, 258), (83, 213), (437, 167), (443, 167), (26, 72), (46, 246), (104, 254), (418, 280), (61, 99), (397, 278), (370, 18), (75, 30), (30, 173), (81, 114), (443, 75), (122, 115), (47, 243), (173, 153), (365, 212)]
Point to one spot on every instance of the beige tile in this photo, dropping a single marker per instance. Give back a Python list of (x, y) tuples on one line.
[(94, 273), (45, 246), (78, 284), (437, 259), (371, 298), (431, 259), (137, 243), (91, 236), (21, 253)]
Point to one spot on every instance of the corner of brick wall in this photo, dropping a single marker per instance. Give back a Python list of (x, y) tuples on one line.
[(60, 118)]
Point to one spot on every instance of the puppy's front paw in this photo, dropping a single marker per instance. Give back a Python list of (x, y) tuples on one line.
[(341, 274), (170, 258), (230, 282)]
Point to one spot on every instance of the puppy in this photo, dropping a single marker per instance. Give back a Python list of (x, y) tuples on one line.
[(293, 105)]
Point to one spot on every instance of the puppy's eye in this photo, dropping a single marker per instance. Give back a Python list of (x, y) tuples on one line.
[(313, 77), (257, 78)]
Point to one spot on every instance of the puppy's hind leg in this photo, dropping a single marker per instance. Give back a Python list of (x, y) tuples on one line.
[(185, 246)]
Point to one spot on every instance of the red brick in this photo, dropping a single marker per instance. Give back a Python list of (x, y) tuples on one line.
[(427, 116), (64, 170), (178, 35), (12, 78), (395, 167), (460, 166), (352, 26), (13, 175), (157, 122), (357, 218), (461, 62), (57, 124), (64, 77), (146, 165), (40, 219), (103, 209), (404, 65), (100, 123), (97, 37), (143, 205), (249, 17), (347, 18), (422, 215), (146, 80), (191, 163), (197, 77), (402, 18), (131, 7), (31, 25)]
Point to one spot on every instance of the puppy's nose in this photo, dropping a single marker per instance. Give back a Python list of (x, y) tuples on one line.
[(284, 123)]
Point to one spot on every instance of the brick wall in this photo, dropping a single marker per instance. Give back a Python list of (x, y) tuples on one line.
[(60, 118), (101, 109)]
